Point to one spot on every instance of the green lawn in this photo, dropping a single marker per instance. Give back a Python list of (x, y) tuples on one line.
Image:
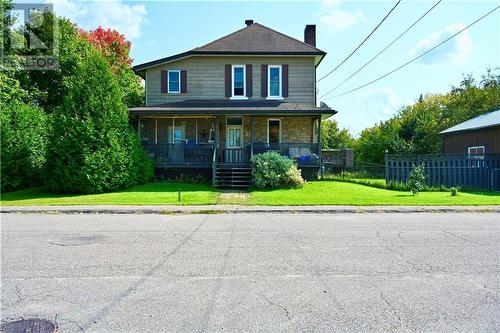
[(160, 193), (313, 193), (342, 193)]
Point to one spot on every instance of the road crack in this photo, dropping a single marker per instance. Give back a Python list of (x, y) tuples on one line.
[(218, 284), (133, 287)]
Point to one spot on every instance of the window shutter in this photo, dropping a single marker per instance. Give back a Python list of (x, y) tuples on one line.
[(183, 82), (263, 81), (284, 78), (228, 80), (248, 73), (163, 82)]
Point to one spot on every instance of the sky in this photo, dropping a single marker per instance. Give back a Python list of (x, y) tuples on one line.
[(159, 29)]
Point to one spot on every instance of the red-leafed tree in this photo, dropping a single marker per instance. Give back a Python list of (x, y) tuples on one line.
[(116, 49)]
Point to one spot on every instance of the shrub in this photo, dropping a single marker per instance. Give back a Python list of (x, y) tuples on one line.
[(416, 179), (92, 147), (293, 178), (23, 143), (454, 191), (272, 170)]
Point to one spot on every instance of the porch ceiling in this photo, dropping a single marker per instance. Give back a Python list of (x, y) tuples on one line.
[(231, 107)]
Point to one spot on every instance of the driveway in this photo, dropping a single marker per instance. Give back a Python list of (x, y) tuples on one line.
[(258, 272)]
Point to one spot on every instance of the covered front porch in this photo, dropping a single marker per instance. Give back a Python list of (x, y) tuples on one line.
[(201, 141)]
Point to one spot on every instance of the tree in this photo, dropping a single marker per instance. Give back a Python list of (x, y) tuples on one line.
[(92, 148), (23, 137), (116, 49), (332, 137), (415, 129)]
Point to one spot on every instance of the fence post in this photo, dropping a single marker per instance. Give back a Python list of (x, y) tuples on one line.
[(386, 163)]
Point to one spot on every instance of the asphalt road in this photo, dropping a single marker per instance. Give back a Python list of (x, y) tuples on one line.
[(350, 272)]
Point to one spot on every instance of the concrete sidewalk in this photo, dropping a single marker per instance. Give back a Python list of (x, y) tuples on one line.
[(235, 209)]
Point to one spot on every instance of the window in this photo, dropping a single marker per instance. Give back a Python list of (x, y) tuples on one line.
[(274, 131), (476, 156), (476, 152), (176, 134), (234, 132), (238, 84), (274, 81), (174, 81)]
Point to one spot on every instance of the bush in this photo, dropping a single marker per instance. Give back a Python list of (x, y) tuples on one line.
[(416, 179), (92, 147), (454, 191), (272, 170), (23, 143), (293, 178)]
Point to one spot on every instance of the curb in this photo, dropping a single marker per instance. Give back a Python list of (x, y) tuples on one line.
[(177, 210)]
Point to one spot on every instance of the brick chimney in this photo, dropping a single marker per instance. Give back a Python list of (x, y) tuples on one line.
[(310, 34)]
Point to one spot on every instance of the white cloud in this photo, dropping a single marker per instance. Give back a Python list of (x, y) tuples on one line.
[(335, 19), (454, 52), (368, 108), (113, 14)]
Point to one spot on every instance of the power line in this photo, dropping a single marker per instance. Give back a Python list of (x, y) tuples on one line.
[(417, 57), (383, 50), (364, 40)]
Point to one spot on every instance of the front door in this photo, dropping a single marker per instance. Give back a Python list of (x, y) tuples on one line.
[(234, 152)]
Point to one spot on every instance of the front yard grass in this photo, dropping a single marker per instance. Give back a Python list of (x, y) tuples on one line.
[(343, 193), (313, 193), (158, 193)]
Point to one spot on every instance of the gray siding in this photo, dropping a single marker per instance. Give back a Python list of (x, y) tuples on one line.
[(206, 78)]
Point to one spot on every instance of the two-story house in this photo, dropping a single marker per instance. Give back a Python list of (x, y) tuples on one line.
[(210, 109)]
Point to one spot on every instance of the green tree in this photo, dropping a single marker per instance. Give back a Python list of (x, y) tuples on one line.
[(23, 137), (92, 148), (333, 137), (415, 128), (116, 50)]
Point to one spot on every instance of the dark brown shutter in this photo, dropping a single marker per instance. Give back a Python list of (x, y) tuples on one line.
[(263, 81), (163, 82), (284, 78), (184, 86), (228, 80), (248, 73)]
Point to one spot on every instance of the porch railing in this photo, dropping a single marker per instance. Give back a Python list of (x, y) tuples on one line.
[(207, 154), (180, 153), (304, 153)]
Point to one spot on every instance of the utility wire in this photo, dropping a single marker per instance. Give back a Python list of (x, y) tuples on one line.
[(417, 57), (383, 50), (364, 40)]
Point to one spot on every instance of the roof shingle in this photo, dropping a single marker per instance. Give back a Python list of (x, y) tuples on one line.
[(258, 38)]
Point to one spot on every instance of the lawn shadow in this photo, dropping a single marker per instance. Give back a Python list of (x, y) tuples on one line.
[(157, 187)]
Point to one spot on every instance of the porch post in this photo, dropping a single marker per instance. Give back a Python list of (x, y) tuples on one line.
[(251, 136), (173, 129), (139, 128), (319, 147), (196, 129), (156, 130)]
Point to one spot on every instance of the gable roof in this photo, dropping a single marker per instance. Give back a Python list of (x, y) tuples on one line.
[(486, 120), (254, 39)]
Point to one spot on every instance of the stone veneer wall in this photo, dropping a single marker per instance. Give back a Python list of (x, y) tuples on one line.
[(294, 129)]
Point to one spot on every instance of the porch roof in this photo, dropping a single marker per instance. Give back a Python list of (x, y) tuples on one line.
[(231, 107)]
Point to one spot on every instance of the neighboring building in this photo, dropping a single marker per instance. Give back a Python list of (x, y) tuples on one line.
[(476, 136), (209, 110)]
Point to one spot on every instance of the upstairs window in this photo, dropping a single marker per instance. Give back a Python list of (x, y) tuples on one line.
[(174, 81), (274, 81), (239, 89)]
